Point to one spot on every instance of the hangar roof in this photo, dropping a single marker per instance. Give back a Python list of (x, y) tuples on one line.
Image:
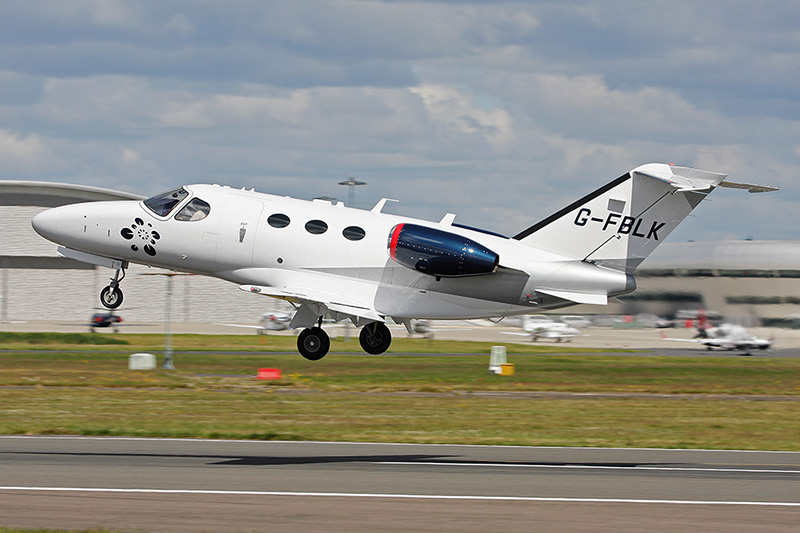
[(50, 194)]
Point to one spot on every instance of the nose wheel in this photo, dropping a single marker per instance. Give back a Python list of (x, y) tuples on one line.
[(111, 296)]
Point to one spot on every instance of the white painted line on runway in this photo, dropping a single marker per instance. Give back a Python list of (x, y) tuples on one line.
[(596, 467), (397, 496)]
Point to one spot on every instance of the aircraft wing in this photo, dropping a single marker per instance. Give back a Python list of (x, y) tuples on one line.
[(315, 303)]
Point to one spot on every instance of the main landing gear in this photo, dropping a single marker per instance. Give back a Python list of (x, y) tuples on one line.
[(111, 296), (314, 343)]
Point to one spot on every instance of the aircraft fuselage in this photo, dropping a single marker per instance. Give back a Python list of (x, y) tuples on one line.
[(341, 249), (369, 266)]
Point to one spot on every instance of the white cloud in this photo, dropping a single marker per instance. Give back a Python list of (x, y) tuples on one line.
[(456, 112), (14, 148), (112, 13), (500, 111), (25, 155)]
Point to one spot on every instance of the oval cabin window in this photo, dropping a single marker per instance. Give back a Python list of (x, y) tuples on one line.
[(353, 233), (278, 220), (316, 227)]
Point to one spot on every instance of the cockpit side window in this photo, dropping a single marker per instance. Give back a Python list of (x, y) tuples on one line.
[(197, 209), (163, 204)]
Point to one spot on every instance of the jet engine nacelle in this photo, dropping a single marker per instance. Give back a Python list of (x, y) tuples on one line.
[(440, 253)]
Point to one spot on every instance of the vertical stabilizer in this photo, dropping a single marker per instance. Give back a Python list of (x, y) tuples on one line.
[(621, 223)]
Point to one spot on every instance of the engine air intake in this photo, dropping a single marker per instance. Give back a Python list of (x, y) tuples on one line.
[(440, 253)]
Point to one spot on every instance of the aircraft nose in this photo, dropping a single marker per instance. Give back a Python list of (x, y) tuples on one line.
[(47, 224)]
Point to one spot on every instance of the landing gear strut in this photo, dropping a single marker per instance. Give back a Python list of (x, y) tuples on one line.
[(313, 343), (375, 338), (111, 296)]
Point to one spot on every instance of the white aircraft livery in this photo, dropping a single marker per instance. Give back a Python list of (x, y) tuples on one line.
[(369, 266)]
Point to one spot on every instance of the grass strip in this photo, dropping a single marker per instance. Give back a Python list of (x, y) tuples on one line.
[(259, 343), (415, 373), (59, 339), (696, 402), (624, 422)]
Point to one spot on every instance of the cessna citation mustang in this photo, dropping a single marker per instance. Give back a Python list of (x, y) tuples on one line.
[(370, 266)]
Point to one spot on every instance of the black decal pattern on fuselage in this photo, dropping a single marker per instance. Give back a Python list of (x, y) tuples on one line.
[(624, 225), (144, 232)]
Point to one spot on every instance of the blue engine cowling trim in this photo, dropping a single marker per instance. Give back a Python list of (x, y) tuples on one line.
[(440, 253)]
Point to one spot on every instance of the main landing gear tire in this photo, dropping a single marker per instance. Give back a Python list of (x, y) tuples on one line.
[(313, 343), (111, 297), (375, 338)]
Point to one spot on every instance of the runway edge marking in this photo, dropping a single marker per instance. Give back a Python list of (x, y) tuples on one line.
[(397, 496)]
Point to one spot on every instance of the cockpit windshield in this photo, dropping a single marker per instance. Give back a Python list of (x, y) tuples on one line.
[(164, 203), (197, 209)]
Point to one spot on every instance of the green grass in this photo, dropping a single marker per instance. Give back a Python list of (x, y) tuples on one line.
[(461, 419), (9, 530), (417, 373), (642, 401), (60, 339), (254, 343)]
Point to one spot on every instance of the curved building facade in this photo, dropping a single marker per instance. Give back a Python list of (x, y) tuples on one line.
[(38, 284), (748, 281), (740, 279)]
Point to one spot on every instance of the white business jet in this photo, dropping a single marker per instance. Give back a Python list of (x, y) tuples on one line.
[(543, 327), (369, 266)]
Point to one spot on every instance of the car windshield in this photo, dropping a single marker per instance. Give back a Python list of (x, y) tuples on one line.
[(164, 203)]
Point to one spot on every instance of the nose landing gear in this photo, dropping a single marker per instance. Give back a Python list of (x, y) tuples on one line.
[(111, 296)]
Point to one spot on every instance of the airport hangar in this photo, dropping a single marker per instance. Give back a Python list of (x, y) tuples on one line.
[(740, 279), (38, 284)]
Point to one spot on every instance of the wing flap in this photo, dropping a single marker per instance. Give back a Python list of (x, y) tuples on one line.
[(318, 301)]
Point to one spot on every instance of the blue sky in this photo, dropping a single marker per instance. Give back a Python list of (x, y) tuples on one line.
[(501, 112)]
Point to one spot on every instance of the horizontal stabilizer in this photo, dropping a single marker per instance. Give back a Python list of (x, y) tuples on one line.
[(748, 187), (682, 178)]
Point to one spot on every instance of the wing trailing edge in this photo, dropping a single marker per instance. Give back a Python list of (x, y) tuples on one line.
[(317, 303)]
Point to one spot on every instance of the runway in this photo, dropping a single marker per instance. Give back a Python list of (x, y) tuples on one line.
[(201, 485)]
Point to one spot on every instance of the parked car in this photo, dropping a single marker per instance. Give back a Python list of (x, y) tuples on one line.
[(105, 319)]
